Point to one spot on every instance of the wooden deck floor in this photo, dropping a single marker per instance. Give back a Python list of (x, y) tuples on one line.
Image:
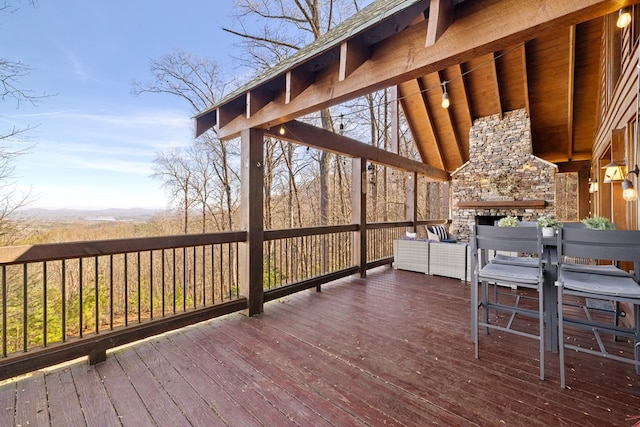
[(393, 349)]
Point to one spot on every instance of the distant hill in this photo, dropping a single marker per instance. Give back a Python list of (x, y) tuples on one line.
[(66, 215)]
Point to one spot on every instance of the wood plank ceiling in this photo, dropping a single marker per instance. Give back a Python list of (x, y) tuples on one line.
[(554, 77)]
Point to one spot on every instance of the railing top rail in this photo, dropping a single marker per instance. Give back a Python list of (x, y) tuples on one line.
[(308, 231), (58, 251), (379, 225)]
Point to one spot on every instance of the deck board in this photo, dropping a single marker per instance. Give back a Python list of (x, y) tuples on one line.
[(65, 409), (31, 401), (163, 409), (392, 349)]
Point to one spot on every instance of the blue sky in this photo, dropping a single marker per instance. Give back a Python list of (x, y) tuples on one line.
[(94, 143)]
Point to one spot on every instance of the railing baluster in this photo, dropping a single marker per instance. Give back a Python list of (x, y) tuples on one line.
[(195, 285), (96, 296), (80, 297), (139, 285), (111, 286), (151, 285), (4, 311), (25, 299), (126, 290), (162, 269), (204, 284), (184, 279), (45, 327), (63, 291)]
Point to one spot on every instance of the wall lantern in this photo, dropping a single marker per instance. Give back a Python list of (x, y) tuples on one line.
[(614, 172), (628, 192), (593, 187)]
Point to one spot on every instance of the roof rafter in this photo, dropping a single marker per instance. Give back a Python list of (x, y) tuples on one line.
[(433, 131), (450, 124), (441, 14)]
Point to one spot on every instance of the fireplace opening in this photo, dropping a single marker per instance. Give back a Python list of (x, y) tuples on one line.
[(491, 219)]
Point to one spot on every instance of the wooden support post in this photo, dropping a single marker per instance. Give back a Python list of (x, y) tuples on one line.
[(97, 355), (411, 197), (251, 219), (359, 213), (395, 121)]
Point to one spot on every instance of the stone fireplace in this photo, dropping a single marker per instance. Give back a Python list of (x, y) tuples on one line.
[(502, 176)]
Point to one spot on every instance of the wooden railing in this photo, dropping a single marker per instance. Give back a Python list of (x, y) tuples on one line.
[(380, 237), (67, 300), (74, 299)]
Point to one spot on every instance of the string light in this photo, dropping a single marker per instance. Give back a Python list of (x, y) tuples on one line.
[(445, 96), (281, 131), (624, 17), (442, 84), (628, 192)]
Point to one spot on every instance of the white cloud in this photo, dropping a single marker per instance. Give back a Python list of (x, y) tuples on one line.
[(79, 69)]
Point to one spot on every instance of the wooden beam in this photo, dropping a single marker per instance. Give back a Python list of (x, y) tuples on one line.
[(503, 204), (525, 79), (403, 56), (441, 14), (496, 85), (395, 120), (433, 132), (313, 136), (468, 118), (407, 92), (574, 166), (449, 115), (359, 213), (411, 199), (570, 89), (353, 53), (251, 219)]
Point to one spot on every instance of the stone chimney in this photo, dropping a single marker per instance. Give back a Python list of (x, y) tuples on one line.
[(502, 176)]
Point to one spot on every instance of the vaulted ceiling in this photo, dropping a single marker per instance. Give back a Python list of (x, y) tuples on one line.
[(553, 76), (494, 55)]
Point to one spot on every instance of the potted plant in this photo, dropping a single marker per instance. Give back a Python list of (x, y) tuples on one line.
[(598, 223), (548, 224), (508, 221)]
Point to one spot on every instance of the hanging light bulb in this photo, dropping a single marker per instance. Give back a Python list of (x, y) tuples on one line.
[(624, 17), (281, 131), (628, 192), (445, 96)]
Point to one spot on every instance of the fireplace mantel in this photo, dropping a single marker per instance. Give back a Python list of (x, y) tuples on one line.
[(502, 204)]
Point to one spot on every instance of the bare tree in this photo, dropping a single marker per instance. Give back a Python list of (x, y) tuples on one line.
[(175, 172), (198, 81), (11, 199)]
